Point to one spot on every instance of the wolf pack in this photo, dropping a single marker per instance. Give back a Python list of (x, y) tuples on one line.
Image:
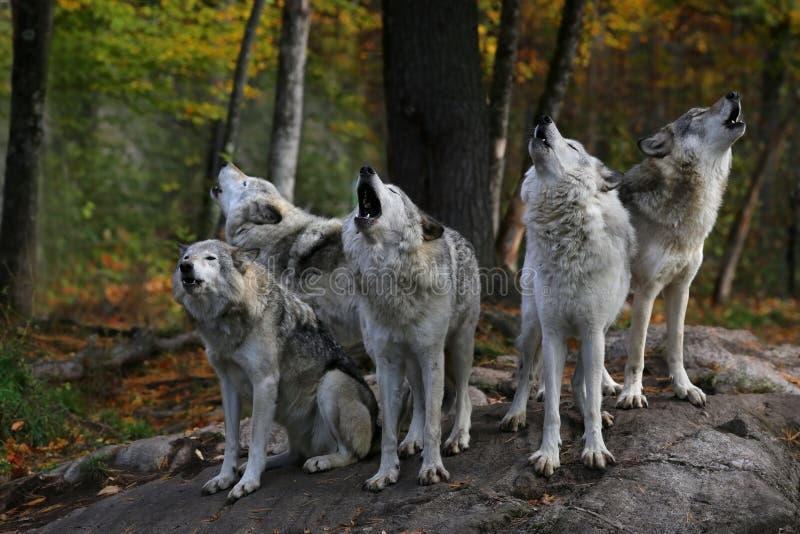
[(277, 301)]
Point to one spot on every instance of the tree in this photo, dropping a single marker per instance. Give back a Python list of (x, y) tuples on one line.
[(224, 134), (288, 116), (436, 113), (32, 27), (511, 230), (500, 101)]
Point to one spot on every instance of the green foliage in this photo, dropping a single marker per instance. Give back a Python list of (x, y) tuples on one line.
[(94, 469), (23, 398)]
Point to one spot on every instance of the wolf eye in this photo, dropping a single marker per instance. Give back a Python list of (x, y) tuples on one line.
[(244, 184), (572, 147), (210, 258)]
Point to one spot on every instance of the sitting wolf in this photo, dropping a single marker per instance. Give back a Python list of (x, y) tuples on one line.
[(673, 197), (419, 305), (581, 242), (267, 345)]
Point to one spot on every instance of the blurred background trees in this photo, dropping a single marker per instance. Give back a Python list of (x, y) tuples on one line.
[(138, 95)]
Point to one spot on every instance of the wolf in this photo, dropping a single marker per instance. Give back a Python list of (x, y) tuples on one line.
[(303, 249), (673, 197), (419, 302), (267, 345), (581, 242)]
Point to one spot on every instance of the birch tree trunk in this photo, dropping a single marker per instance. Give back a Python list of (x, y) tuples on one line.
[(511, 229), (288, 116), (32, 22)]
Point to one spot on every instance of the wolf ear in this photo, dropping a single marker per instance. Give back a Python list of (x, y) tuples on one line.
[(263, 213), (657, 145), (431, 228), (243, 256), (182, 247), (611, 179)]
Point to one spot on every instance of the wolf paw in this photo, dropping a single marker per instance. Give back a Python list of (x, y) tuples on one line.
[(457, 443), (691, 393), (607, 418), (611, 389), (219, 483), (597, 458), (432, 474), (544, 463), (409, 447), (513, 421), (381, 480), (626, 401), (317, 464), (246, 486)]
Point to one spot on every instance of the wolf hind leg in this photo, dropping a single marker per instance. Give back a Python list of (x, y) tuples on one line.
[(458, 354), (676, 298)]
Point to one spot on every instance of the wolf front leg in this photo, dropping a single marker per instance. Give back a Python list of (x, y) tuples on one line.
[(431, 363), (390, 370), (676, 298), (595, 454), (632, 396), (231, 407), (265, 396), (554, 352)]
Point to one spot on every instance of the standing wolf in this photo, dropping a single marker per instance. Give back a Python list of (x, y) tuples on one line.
[(266, 344), (304, 250), (419, 305), (673, 197), (581, 241)]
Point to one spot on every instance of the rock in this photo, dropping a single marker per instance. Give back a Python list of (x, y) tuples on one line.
[(677, 471), (506, 323), (507, 361), (477, 397), (719, 360), (488, 378)]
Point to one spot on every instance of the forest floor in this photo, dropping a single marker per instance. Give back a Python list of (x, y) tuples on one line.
[(176, 392)]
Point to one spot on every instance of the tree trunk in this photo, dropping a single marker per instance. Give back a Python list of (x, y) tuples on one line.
[(288, 116), (791, 242), (744, 217), (562, 63), (505, 57), (32, 27), (436, 113), (222, 145)]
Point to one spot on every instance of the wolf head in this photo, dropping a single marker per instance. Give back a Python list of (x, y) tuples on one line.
[(211, 276), (255, 199), (555, 158), (699, 133), (385, 214)]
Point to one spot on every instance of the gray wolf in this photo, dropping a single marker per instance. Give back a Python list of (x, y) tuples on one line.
[(267, 345), (303, 249), (673, 197), (580, 242), (419, 301)]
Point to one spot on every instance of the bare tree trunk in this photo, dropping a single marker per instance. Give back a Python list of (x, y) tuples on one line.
[(510, 233), (505, 57), (791, 242), (737, 237), (32, 26), (222, 145), (436, 113), (288, 116)]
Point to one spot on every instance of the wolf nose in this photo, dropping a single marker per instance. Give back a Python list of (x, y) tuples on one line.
[(186, 267), (366, 170), (216, 190), (733, 95), (545, 119)]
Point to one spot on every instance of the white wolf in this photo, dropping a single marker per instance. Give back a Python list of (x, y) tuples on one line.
[(419, 305), (265, 344), (673, 197), (580, 243)]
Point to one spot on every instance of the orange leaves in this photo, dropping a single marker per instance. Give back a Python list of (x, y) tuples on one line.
[(16, 425)]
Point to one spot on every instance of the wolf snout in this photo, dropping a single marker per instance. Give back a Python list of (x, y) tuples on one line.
[(545, 119), (366, 170), (733, 95), (186, 268)]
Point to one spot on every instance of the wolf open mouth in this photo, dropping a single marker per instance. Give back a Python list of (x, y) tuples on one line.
[(539, 133), (190, 282), (369, 206), (735, 117)]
